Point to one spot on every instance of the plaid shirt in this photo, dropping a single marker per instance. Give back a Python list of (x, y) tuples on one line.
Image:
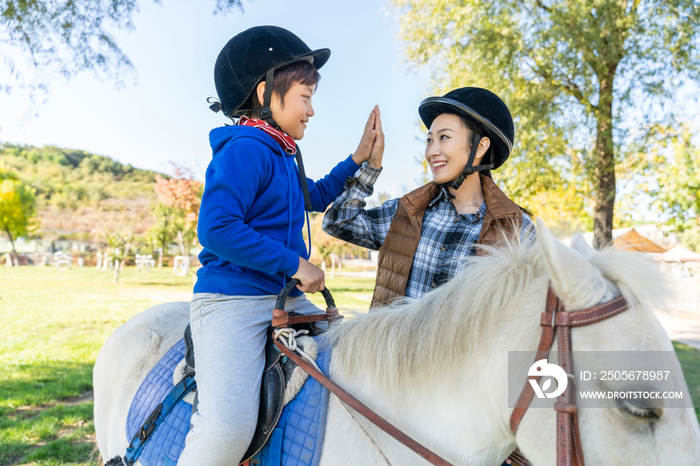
[(446, 236)]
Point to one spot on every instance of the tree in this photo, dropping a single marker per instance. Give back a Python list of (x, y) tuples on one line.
[(70, 36), (184, 194), (691, 238), (666, 168), (164, 230), (323, 244), (569, 70), (120, 244), (17, 208)]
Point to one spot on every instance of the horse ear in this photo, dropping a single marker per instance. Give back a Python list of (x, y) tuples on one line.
[(579, 243), (574, 279)]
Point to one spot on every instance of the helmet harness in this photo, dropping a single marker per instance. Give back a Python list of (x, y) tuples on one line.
[(469, 168)]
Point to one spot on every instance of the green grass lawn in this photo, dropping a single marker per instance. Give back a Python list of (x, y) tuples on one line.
[(54, 323), (689, 358)]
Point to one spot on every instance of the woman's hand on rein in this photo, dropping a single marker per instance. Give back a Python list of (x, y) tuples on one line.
[(364, 149), (311, 277), (375, 158)]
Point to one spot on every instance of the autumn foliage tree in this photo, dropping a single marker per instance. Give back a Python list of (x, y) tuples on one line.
[(17, 208), (323, 244), (183, 194)]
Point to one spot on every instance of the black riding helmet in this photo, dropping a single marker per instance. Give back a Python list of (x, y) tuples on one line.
[(255, 54), (491, 117)]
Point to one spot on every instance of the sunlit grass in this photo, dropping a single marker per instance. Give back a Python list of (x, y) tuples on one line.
[(689, 358), (53, 325)]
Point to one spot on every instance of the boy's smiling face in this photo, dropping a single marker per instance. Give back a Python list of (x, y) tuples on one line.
[(297, 109)]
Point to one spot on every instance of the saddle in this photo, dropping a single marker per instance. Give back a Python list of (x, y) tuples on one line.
[(278, 373)]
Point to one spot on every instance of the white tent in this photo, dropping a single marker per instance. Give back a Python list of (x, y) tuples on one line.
[(678, 253)]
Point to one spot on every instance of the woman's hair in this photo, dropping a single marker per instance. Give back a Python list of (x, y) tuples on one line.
[(301, 72)]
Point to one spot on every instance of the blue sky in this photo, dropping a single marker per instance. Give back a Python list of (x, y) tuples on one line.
[(162, 115)]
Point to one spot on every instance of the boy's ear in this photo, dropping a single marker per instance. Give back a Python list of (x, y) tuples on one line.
[(260, 90)]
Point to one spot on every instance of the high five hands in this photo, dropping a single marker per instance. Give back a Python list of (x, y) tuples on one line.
[(370, 150), (371, 147)]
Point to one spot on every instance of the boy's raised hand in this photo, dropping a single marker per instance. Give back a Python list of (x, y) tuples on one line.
[(311, 277), (375, 158), (364, 149)]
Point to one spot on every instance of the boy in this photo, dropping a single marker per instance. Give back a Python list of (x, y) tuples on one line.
[(250, 225)]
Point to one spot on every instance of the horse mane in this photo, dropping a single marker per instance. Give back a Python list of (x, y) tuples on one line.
[(639, 279), (431, 334), (434, 334)]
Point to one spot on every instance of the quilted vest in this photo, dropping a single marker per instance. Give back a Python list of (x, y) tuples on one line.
[(503, 217)]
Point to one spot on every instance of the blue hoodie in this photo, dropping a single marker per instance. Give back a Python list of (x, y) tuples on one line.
[(252, 213)]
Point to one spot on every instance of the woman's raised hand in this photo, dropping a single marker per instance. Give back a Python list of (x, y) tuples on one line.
[(375, 158), (364, 149)]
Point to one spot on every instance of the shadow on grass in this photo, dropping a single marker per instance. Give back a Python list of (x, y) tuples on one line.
[(60, 433), (43, 419), (63, 451), (39, 384)]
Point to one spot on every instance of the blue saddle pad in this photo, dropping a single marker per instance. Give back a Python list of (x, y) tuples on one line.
[(296, 441), (168, 440)]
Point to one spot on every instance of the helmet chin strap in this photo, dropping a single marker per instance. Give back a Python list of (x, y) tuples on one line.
[(468, 169), (265, 111), (266, 114)]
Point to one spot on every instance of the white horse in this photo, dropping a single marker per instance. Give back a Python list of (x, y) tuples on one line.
[(437, 367)]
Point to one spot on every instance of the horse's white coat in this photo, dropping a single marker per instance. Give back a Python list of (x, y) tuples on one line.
[(437, 367)]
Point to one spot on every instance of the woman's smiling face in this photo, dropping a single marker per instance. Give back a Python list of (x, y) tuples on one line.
[(447, 150)]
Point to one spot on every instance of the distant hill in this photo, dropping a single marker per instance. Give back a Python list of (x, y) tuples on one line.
[(81, 195)]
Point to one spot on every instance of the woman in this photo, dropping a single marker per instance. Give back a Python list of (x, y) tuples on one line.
[(422, 236)]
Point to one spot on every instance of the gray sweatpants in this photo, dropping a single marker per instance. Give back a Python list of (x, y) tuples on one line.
[(229, 333)]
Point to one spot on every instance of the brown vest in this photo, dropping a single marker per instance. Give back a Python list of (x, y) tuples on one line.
[(399, 247)]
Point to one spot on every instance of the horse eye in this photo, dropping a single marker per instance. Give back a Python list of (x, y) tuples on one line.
[(649, 414)]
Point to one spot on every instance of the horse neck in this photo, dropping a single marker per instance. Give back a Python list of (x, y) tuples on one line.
[(460, 413)]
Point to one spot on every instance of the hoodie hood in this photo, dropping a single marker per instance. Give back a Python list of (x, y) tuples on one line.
[(220, 137)]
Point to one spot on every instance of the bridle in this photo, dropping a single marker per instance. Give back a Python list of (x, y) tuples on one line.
[(555, 316), (569, 452)]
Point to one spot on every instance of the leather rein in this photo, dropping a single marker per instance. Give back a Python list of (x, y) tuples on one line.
[(569, 452)]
